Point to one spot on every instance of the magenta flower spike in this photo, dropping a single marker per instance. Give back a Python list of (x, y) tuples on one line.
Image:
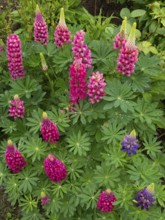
[(16, 108), (40, 28), (106, 200), (78, 85), (80, 49), (14, 56), (14, 158), (120, 38), (62, 34), (54, 168), (49, 130), (96, 87), (128, 54), (44, 199), (145, 197)]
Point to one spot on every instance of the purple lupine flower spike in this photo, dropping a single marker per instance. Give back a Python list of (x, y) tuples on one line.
[(96, 87), (16, 108), (130, 143), (106, 200), (78, 85), (145, 197), (49, 129), (14, 56), (40, 28), (80, 49), (120, 38), (62, 34), (54, 168), (44, 199), (128, 54), (14, 158)]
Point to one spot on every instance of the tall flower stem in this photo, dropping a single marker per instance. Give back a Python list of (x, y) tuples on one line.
[(51, 83)]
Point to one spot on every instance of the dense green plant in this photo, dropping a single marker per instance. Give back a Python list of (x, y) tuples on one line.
[(90, 135)]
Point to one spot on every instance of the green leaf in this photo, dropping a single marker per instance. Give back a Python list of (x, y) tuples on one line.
[(119, 95), (105, 175), (28, 204), (35, 121), (152, 146), (78, 143), (137, 13), (125, 12), (113, 132)]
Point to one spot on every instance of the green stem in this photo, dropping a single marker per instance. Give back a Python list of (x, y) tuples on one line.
[(50, 82)]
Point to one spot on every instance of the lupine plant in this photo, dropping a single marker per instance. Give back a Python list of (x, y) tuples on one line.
[(81, 130)]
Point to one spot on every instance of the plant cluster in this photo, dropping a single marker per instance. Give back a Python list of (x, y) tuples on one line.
[(80, 124)]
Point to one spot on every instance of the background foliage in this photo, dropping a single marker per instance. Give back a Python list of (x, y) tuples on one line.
[(91, 136)]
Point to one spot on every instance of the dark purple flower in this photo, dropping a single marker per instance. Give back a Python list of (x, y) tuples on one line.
[(145, 197), (16, 109), (54, 168), (49, 130), (130, 144), (105, 201), (14, 158), (14, 56)]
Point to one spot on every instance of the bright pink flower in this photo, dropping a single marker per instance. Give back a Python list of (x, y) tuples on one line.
[(128, 55), (105, 202), (62, 34), (54, 168), (16, 109), (40, 28), (80, 49), (14, 55), (78, 85), (14, 158), (49, 130), (96, 87), (120, 38)]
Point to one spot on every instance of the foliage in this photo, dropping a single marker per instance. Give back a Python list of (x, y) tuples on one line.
[(90, 134)]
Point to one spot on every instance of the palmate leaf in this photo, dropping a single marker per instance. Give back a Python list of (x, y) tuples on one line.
[(5, 98), (54, 206), (12, 189), (35, 121), (147, 113), (152, 146), (34, 148), (144, 170), (68, 207), (8, 126), (28, 204), (59, 190), (89, 197), (105, 175), (78, 143), (119, 96), (35, 215), (24, 87), (160, 194), (115, 156), (113, 132), (149, 64), (60, 118), (139, 82), (28, 180)]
